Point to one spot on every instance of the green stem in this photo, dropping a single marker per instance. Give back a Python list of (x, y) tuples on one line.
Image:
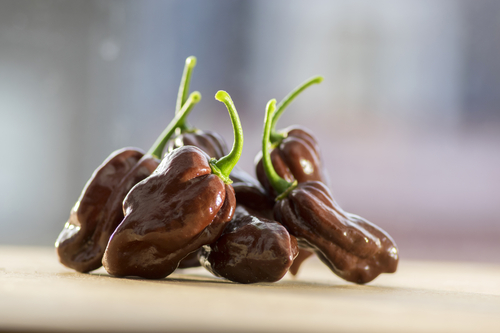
[(279, 184), (157, 149), (225, 165), (182, 95), (286, 101)]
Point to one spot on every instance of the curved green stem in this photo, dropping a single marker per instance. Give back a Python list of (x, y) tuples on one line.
[(286, 101), (225, 165), (279, 184), (182, 95), (157, 149)]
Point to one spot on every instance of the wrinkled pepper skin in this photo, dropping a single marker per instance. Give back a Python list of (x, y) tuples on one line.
[(353, 248), (251, 249), (296, 157), (98, 211), (179, 208), (249, 193), (209, 141)]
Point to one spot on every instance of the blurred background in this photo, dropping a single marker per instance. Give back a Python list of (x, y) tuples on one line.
[(408, 116)]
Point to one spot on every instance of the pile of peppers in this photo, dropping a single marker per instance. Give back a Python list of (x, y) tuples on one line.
[(184, 203)]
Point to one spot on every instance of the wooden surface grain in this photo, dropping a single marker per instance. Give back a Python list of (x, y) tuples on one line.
[(39, 294)]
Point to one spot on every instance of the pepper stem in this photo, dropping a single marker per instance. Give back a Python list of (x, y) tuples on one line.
[(157, 149), (279, 184), (182, 95), (275, 137), (225, 165)]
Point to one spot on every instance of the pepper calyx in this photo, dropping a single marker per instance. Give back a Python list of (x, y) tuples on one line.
[(218, 172), (279, 184), (287, 191)]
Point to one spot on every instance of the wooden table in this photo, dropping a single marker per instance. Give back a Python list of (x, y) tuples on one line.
[(39, 294)]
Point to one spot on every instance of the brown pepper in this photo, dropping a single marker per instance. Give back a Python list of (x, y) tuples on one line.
[(179, 208), (295, 152), (98, 211), (182, 206), (353, 248), (251, 249), (295, 156)]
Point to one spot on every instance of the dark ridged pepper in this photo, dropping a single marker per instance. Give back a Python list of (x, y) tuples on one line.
[(182, 206), (98, 211), (295, 155), (246, 188), (353, 248), (251, 249)]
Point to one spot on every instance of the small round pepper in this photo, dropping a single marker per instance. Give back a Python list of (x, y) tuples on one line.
[(251, 249)]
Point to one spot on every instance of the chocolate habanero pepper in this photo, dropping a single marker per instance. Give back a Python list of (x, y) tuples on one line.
[(353, 248), (182, 206), (245, 187), (209, 141), (295, 156), (98, 211), (251, 249), (295, 151)]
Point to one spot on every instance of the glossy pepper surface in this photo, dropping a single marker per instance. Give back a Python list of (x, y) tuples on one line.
[(182, 206), (295, 153), (179, 208), (209, 141), (353, 248), (250, 194), (251, 249), (98, 211)]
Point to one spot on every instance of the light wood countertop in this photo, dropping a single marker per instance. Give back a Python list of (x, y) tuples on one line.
[(37, 293)]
